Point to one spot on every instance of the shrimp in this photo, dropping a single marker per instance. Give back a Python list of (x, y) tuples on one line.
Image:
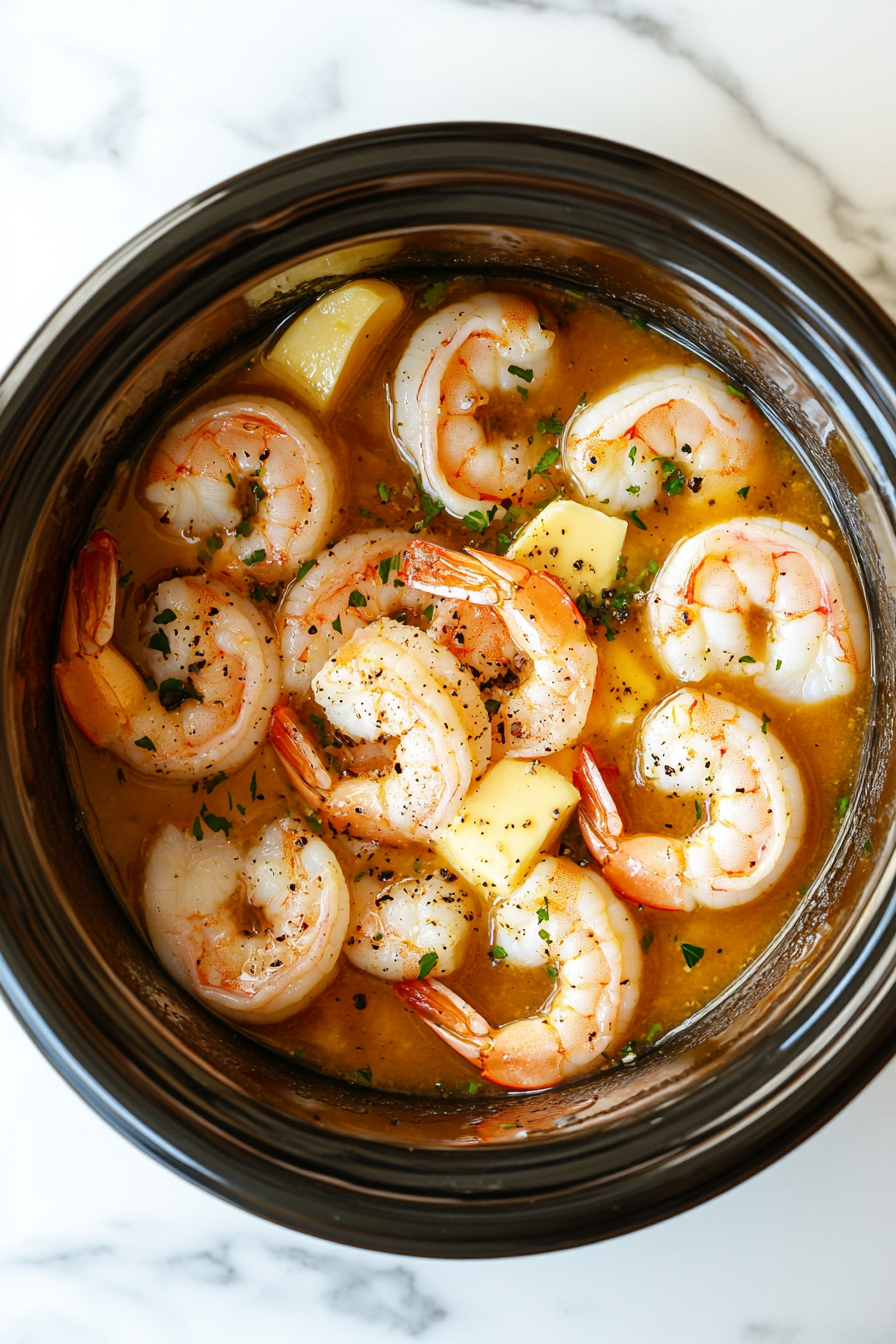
[(409, 928), (353, 583), (212, 664), (812, 640), (454, 359), (547, 710), (680, 424), (566, 919), (263, 450), (391, 686), (749, 796), (255, 936)]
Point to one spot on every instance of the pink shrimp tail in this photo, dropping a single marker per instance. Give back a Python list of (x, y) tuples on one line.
[(89, 616), (435, 569), (599, 818), (300, 757), (449, 1016)]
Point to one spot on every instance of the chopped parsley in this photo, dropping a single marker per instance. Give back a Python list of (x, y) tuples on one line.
[(503, 543), (321, 726), (497, 954), (735, 392), (253, 787), (778, 665), (246, 528), (433, 294), (229, 478), (673, 476), (550, 426), (428, 612), (164, 617), (632, 514), (765, 723), (691, 954), (215, 823), (866, 848), (543, 912), (366, 1075), (197, 829), (427, 963), (337, 625), (472, 1088), (125, 579), (431, 507), (583, 399), (515, 371), (383, 491), (492, 707), (552, 971), (523, 391), (314, 823), (633, 489), (241, 809), (365, 513), (146, 743), (698, 809), (304, 569), (746, 659), (544, 463), (259, 491), (639, 323), (742, 493), (254, 558), (356, 599), (173, 692), (655, 1030), (647, 940), (213, 783), (159, 642), (842, 807), (633, 453)]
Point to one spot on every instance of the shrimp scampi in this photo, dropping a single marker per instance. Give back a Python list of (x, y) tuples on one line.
[(749, 797), (556, 662), (421, 726), (212, 673), (682, 425), (254, 469), (565, 918), (203, 897), (453, 361), (409, 928)]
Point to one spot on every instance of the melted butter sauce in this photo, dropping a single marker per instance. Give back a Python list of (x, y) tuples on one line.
[(357, 1027)]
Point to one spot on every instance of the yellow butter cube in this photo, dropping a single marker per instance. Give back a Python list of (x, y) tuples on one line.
[(326, 347), (513, 815), (578, 545), (628, 683)]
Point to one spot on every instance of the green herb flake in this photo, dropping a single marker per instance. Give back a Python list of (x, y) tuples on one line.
[(698, 809), (146, 743), (647, 940), (633, 489), (305, 569), (842, 807), (691, 954), (765, 723), (433, 294), (778, 665), (497, 953), (742, 493), (543, 911), (550, 426), (673, 484), (472, 1088), (173, 692), (545, 462), (516, 372), (866, 848), (125, 579), (253, 787), (655, 1030), (476, 521), (365, 513), (428, 612), (365, 1076), (632, 515), (259, 491), (492, 707), (245, 528), (229, 478), (197, 829), (241, 809), (735, 392), (159, 642), (523, 391), (746, 659), (383, 491), (337, 625), (215, 823), (552, 972), (633, 453), (431, 507), (503, 543), (255, 558), (356, 599), (211, 784), (427, 963), (314, 823), (149, 683), (639, 323), (358, 876), (583, 399)]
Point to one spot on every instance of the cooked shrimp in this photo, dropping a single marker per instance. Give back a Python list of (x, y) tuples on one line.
[(202, 898), (811, 640), (680, 419), (409, 928), (391, 686), (353, 583), (747, 790), (591, 948), (264, 451), (454, 359), (547, 710), (212, 671)]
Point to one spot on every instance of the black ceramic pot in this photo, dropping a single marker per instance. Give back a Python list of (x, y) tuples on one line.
[(757, 1070)]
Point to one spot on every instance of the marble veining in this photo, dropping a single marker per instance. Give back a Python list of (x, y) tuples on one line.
[(109, 116)]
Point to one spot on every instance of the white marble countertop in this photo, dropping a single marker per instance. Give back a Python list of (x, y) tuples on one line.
[(109, 115)]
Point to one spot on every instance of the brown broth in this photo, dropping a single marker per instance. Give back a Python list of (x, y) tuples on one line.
[(382, 1042)]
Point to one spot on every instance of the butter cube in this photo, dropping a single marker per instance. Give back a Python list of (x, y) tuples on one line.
[(627, 685), (578, 545), (515, 813), (327, 345)]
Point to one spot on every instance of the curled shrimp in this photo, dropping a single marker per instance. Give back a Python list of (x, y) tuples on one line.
[(454, 359), (678, 423), (392, 687), (812, 641), (749, 796), (350, 585), (213, 673), (198, 894), (409, 928), (547, 710), (565, 918), (254, 450)]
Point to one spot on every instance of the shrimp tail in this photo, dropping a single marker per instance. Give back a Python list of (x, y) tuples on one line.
[(88, 619), (449, 1016), (434, 569), (300, 757), (599, 818)]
